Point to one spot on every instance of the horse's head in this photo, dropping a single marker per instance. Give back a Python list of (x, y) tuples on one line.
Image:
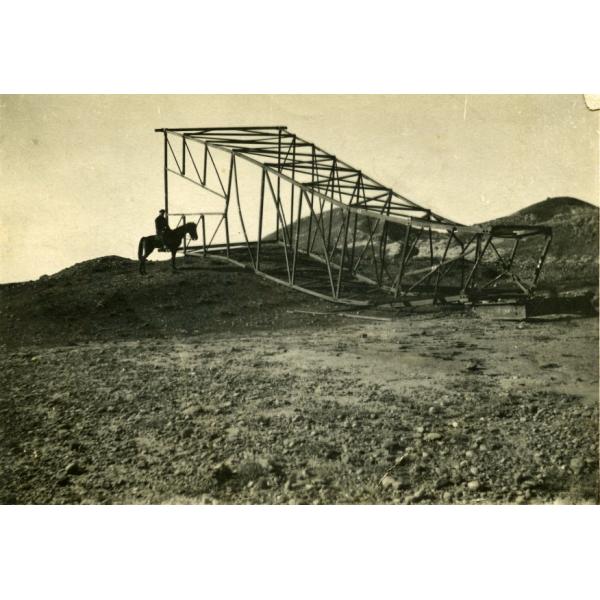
[(191, 229)]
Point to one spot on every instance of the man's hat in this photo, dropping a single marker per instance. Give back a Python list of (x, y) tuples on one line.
[(162, 210)]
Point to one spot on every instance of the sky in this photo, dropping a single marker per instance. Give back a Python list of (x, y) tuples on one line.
[(81, 176)]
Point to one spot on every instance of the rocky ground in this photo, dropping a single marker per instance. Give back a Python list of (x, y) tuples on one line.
[(428, 408)]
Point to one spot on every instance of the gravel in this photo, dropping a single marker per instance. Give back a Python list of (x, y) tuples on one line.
[(198, 409)]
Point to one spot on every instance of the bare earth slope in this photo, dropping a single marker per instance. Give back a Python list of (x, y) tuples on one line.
[(201, 386), (573, 256), (106, 299)]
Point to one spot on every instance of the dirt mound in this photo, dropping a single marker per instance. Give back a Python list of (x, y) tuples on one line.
[(106, 298), (113, 264)]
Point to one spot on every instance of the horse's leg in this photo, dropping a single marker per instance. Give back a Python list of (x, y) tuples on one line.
[(141, 256), (147, 253), (144, 250), (173, 253)]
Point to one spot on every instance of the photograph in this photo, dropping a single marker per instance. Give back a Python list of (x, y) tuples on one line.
[(299, 299)]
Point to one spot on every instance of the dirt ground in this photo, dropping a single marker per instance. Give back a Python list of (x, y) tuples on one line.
[(428, 409)]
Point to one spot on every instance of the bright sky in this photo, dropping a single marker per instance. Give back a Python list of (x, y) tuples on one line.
[(81, 176)]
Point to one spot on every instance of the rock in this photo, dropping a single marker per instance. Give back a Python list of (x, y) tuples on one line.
[(62, 479), (192, 411), (206, 499), (420, 494), (576, 465), (561, 500), (332, 454), (441, 482), (432, 437), (391, 445), (187, 432), (222, 472), (274, 467), (74, 469), (473, 485), (264, 463), (520, 477), (389, 482), (475, 366), (58, 396), (447, 496)]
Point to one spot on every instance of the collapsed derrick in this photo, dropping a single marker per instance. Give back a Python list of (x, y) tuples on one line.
[(336, 233)]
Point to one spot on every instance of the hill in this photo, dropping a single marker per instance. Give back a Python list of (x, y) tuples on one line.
[(106, 298), (573, 255)]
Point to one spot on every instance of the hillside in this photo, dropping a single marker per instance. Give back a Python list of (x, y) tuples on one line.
[(106, 298), (573, 255)]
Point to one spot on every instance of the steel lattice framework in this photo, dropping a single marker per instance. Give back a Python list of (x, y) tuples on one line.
[(337, 233)]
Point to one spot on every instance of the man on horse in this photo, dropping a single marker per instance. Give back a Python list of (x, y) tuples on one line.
[(161, 225), (167, 238)]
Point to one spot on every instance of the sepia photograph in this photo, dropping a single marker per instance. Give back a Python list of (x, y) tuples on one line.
[(299, 299)]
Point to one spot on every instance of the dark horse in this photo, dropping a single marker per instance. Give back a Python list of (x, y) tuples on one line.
[(172, 239)]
